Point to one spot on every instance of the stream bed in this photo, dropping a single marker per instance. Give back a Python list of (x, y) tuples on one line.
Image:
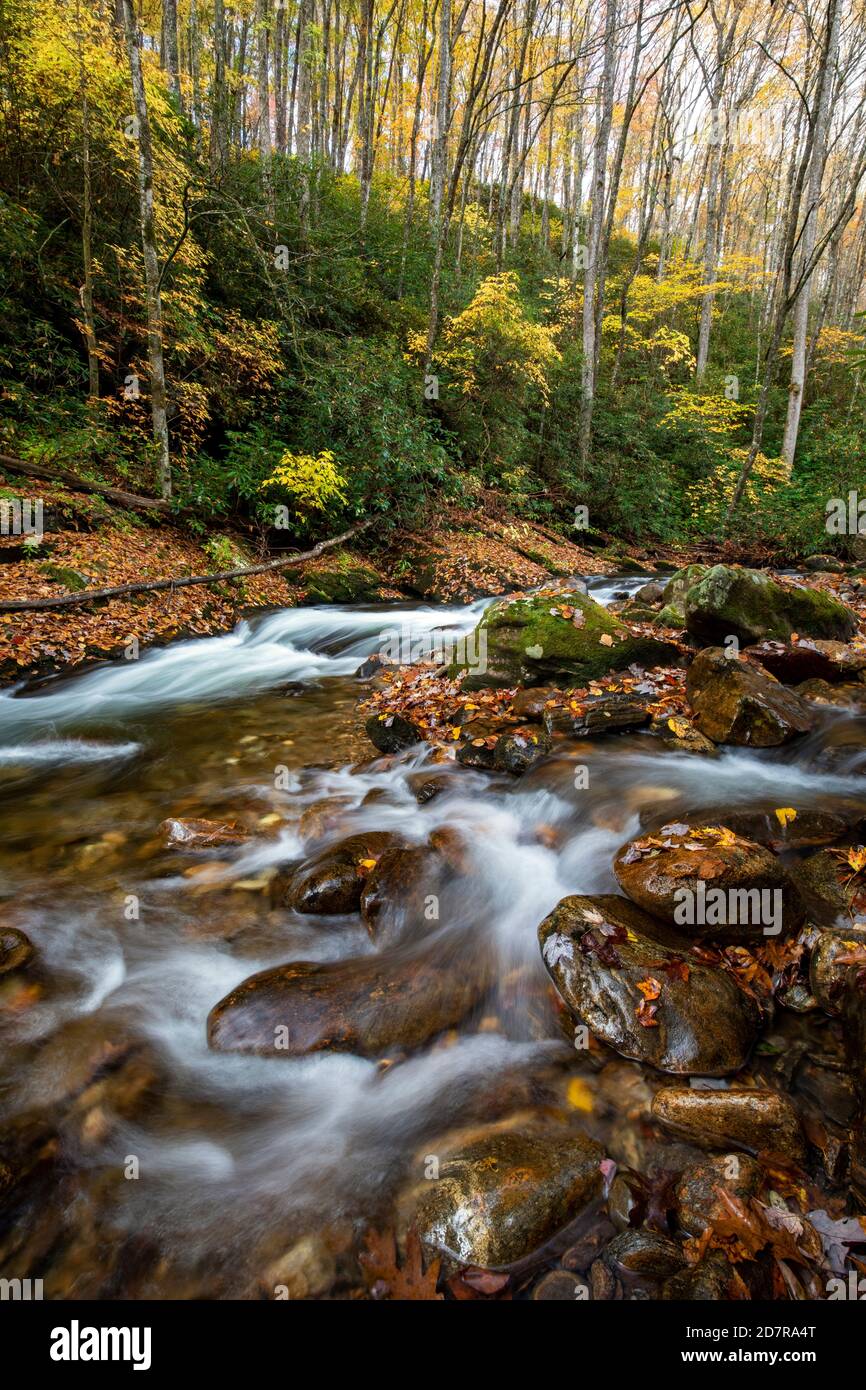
[(145, 1164)]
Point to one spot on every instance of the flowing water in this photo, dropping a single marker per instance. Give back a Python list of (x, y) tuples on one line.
[(158, 1168)]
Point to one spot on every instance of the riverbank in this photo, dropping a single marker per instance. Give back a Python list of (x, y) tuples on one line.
[(89, 544)]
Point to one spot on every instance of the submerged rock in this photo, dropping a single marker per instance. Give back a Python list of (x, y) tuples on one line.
[(734, 702), (362, 1005), (201, 834), (641, 989), (333, 882), (426, 785), (322, 817), (755, 1119), (565, 638), (747, 604), (501, 1192), (845, 696), (708, 882)]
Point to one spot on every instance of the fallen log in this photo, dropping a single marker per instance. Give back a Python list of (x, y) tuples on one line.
[(97, 595), (76, 484)]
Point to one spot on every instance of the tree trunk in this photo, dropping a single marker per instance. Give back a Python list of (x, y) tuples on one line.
[(590, 279), (808, 239), (147, 221), (169, 27)]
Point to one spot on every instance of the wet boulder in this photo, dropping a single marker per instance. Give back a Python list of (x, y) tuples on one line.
[(520, 749), (709, 1281), (793, 826), (399, 893), (845, 696), (365, 1006), (808, 659), (391, 733), (651, 592), (698, 1192), (679, 733), (673, 613), (597, 714), (708, 882), (372, 666), (333, 882), (831, 888), (501, 1193), (640, 988), (530, 702), (747, 604), (16, 950), (835, 954), (643, 1254), (734, 702), (563, 638), (756, 1119)]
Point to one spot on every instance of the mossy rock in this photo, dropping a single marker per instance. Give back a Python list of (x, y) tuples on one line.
[(526, 641), (669, 616), (638, 613), (674, 597), (344, 583), (747, 604), (61, 574)]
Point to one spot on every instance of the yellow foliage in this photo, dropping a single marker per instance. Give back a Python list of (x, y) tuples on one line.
[(716, 415), (493, 338), (311, 482), (710, 498)]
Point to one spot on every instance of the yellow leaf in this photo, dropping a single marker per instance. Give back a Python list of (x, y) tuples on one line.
[(784, 814), (606, 640), (367, 864), (579, 1095)]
